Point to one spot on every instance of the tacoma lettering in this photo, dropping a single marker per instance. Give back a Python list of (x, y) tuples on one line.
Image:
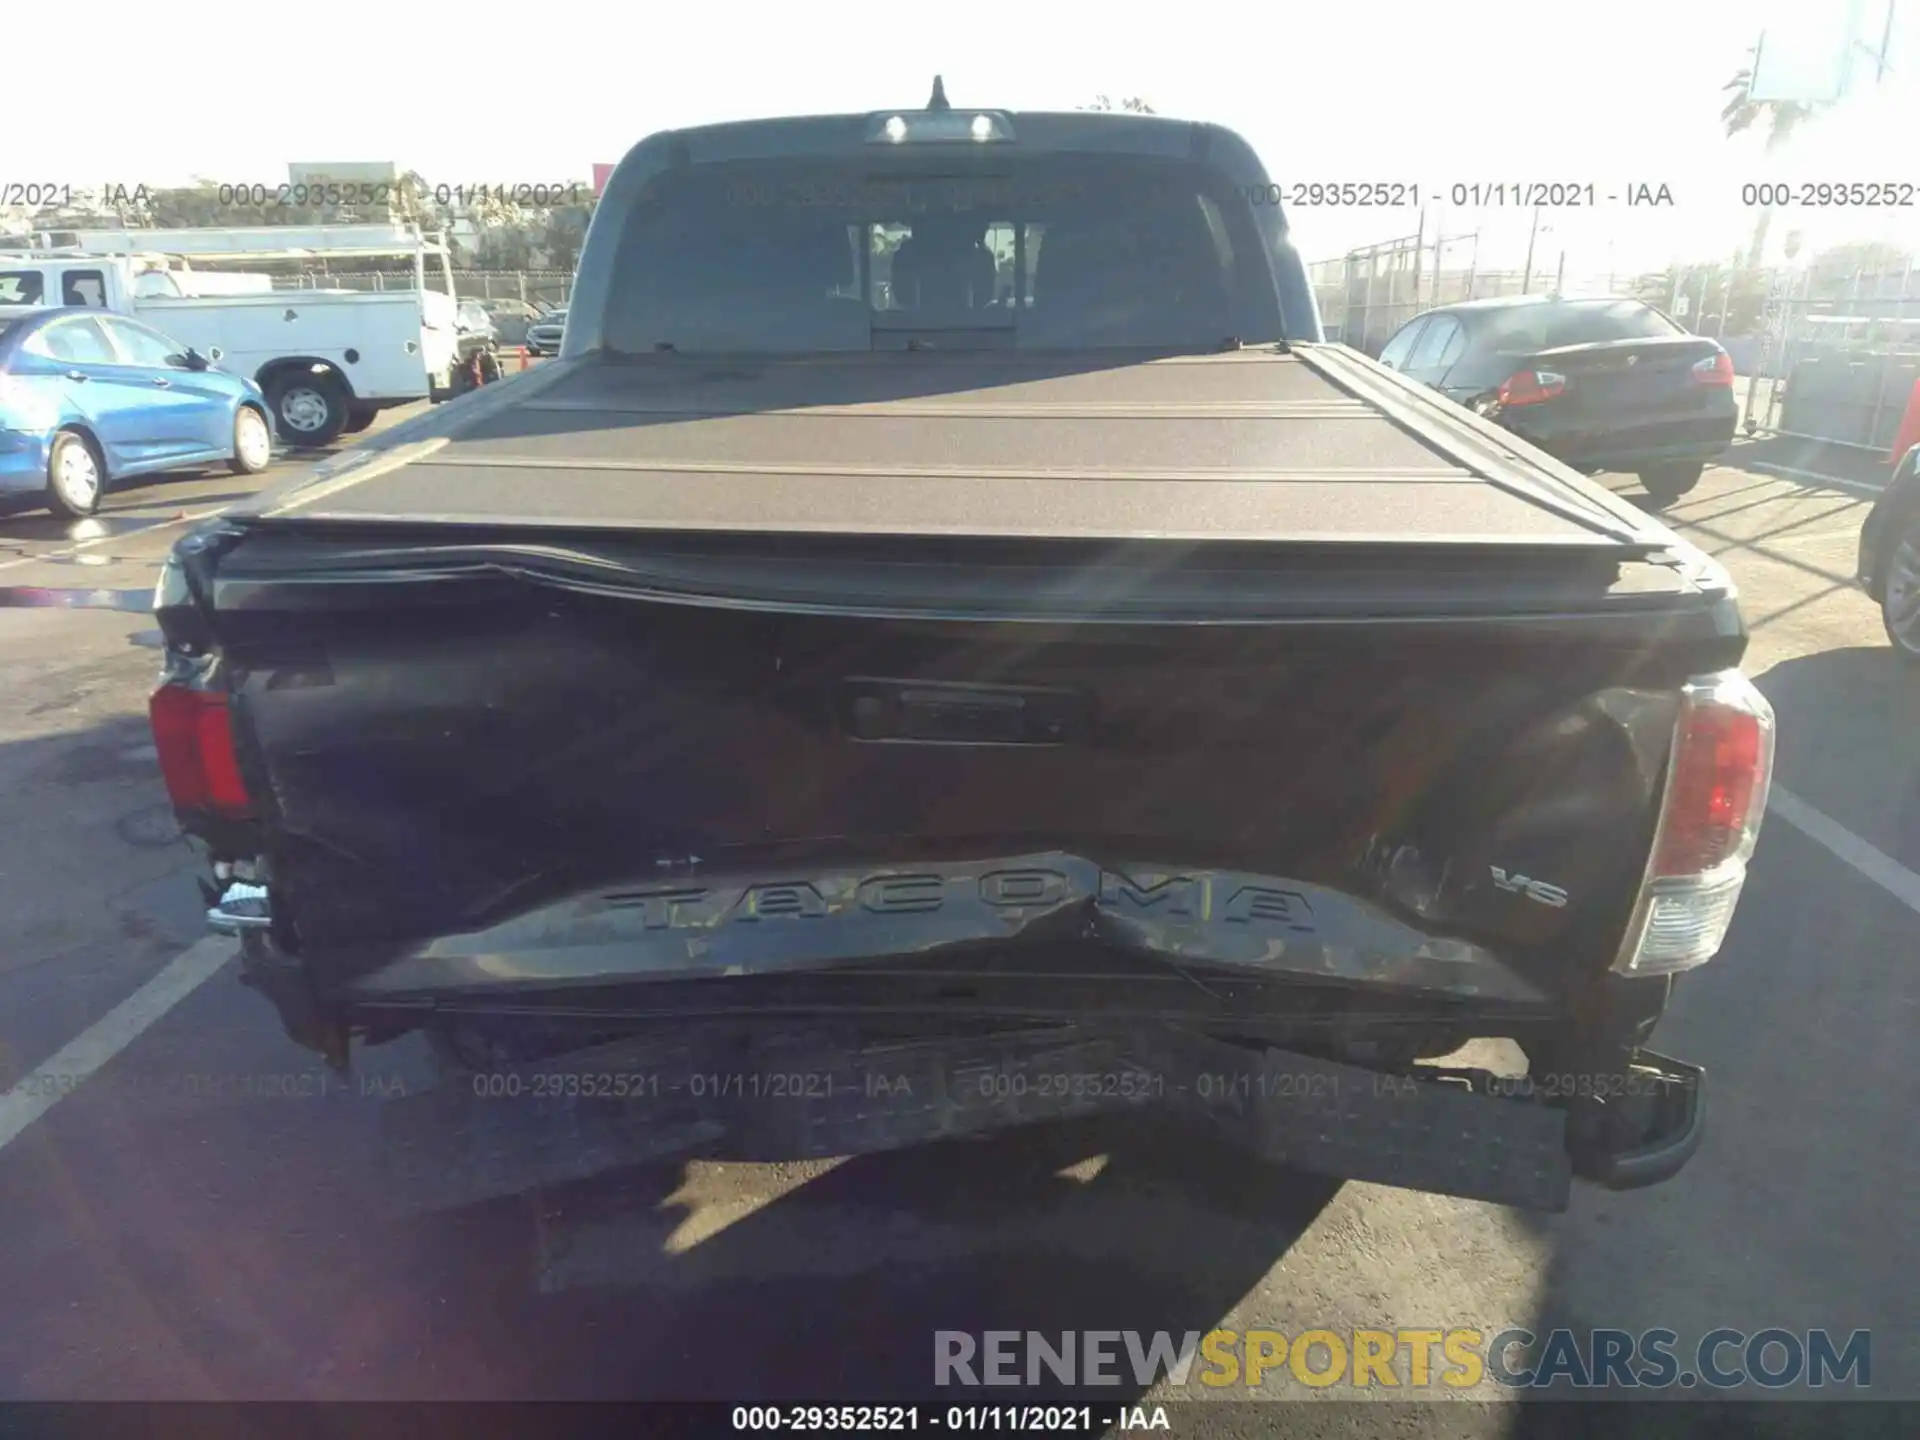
[(1022, 887), (763, 902), (1178, 894), (902, 894), (1259, 902)]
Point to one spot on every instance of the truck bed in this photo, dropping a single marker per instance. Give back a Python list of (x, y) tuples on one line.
[(1254, 445)]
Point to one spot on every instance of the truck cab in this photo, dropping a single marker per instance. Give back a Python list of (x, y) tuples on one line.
[(31, 282)]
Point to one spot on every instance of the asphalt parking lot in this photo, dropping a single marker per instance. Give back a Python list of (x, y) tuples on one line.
[(199, 1214)]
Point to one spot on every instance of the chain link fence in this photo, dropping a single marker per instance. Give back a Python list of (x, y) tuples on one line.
[(1833, 358), (1839, 357), (534, 287), (1368, 293)]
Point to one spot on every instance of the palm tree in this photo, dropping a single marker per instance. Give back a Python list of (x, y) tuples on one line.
[(1741, 112), (1777, 118), (1132, 102)]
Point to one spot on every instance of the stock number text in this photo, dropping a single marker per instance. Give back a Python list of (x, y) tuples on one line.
[(1379, 193), (303, 197), (1863, 194)]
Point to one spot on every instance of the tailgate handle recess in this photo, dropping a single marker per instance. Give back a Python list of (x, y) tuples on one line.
[(940, 713)]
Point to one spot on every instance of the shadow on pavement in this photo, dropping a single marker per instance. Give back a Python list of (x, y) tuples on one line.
[(836, 1287), (1845, 741), (95, 889), (189, 1241), (1837, 700), (1804, 1022), (1845, 462)]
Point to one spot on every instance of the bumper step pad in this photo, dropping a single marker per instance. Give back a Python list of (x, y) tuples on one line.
[(816, 1094)]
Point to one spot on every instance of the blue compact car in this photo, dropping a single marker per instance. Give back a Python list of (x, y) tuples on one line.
[(88, 398)]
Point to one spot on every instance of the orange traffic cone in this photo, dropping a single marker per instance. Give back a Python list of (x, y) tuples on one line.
[(1909, 435), (523, 357)]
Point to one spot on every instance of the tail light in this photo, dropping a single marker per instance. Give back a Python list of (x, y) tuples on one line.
[(193, 731), (1714, 370), (1718, 776), (1530, 387)]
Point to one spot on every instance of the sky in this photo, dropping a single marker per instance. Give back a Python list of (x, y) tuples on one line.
[(1616, 94)]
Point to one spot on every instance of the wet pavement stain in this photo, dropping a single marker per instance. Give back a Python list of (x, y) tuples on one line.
[(24, 531), (71, 700), (119, 750)]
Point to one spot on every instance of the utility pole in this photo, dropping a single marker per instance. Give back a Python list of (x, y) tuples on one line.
[(1526, 280), (1419, 246), (1726, 302)]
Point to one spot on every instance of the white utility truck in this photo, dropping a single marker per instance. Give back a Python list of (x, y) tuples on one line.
[(328, 359)]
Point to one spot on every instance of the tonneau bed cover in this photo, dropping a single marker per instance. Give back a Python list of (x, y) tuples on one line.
[(1254, 445)]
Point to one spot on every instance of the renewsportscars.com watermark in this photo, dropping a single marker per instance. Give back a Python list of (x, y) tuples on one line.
[(1407, 1359)]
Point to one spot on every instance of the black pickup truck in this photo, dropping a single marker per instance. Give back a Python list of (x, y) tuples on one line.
[(948, 645)]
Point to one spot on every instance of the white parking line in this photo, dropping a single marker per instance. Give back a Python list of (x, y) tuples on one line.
[(1886, 872), (1857, 487), (88, 1052), (1817, 537)]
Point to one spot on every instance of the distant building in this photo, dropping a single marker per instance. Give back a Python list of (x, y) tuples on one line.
[(359, 172), (363, 186)]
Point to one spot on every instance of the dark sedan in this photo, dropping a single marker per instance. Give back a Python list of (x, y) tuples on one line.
[(1890, 557), (1599, 384)]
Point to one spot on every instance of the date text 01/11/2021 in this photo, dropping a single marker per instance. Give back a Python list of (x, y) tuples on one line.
[(965, 1419), (36, 194), (993, 1085), (316, 194), (987, 1085), (1484, 195), (702, 1085)]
